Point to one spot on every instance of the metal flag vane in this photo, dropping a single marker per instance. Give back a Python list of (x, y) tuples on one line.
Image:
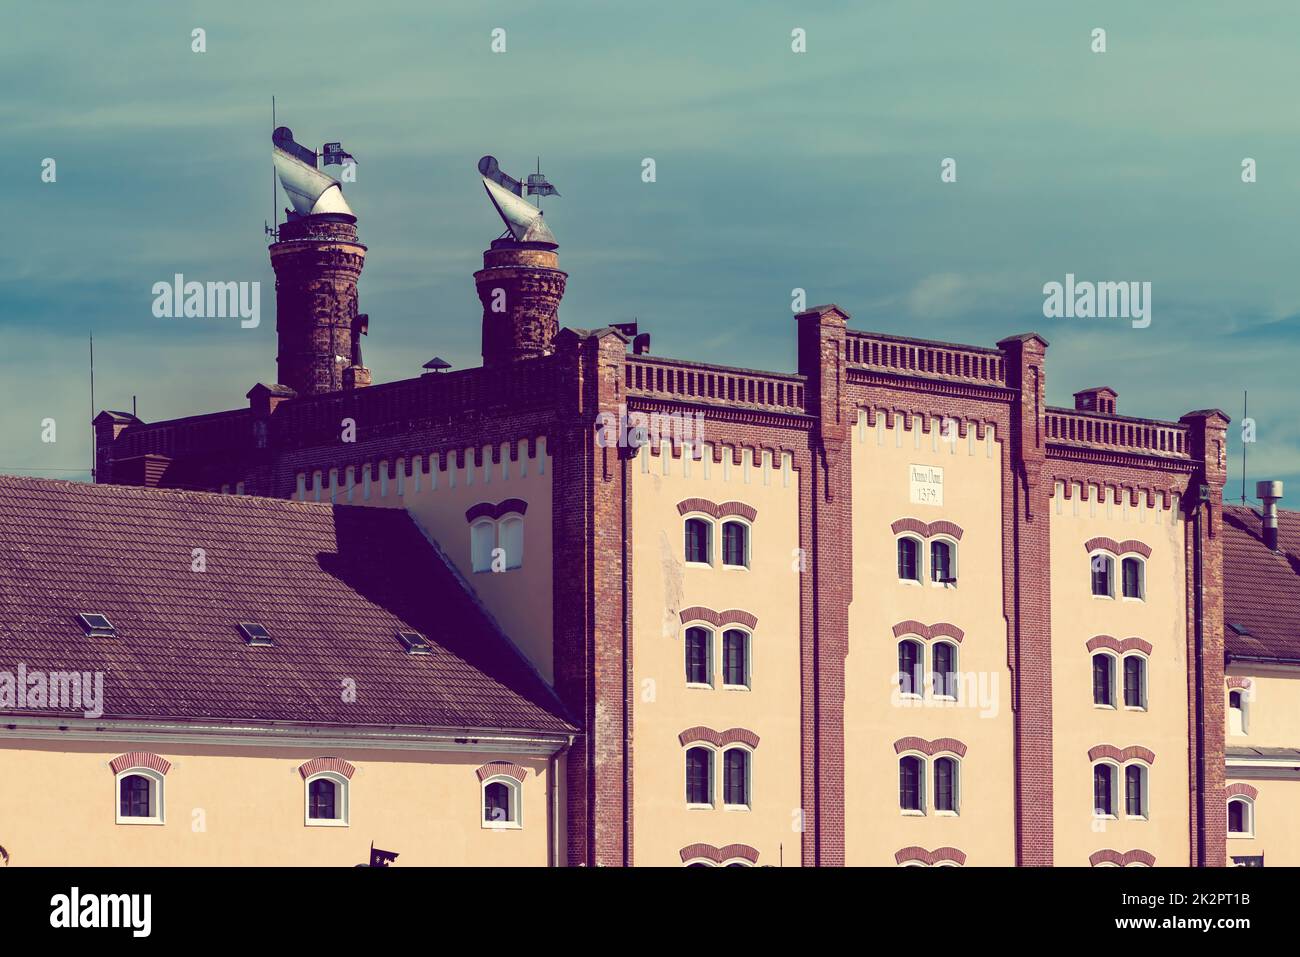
[(298, 169), (523, 220)]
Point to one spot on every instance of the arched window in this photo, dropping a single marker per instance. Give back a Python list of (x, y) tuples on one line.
[(1135, 791), (735, 778), (501, 804), (1103, 680), (911, 784), (946, 785), (1103, 790), (327, 800), (482, 539), (699, 777), (139, 796), (1103, 574), (735, 544), (944, 669), (1237, 712), (909, 559), (1133, 571), (910, 666), (510, 537), (943, 562), (699, 544), (1135, 682), (735, 658), (699, 656), (1241, 817)]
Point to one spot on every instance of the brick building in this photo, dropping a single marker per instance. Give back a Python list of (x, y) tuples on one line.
[(887, 608)]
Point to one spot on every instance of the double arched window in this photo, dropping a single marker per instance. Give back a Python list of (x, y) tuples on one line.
[(1107, 779), (699, 541), (928, 784), (736, 657), (1129, 671), (940, 680), (942, 558), (736, 766)]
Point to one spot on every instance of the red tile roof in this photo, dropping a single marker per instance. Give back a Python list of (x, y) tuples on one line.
[(332, 584), (1261, 588)]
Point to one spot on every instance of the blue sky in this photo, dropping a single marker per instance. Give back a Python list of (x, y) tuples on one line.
[(775, 170)]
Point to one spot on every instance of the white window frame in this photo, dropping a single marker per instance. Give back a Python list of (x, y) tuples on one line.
[(749, 777), (1249, 833), (1116, 794), (1146, 674), (1144, 813), (478, 561), (342, 800), (722, 547), (956, 783), (510, 518), (952, 560), (918, 680), (1110, 576), (712, 544), (922, 786), (1115, 665), (1244, 711), (708, 657), (933, 684), (156, 787), (515, 788), (713, 775), (1142, 578), (749, 658), (921, 563)]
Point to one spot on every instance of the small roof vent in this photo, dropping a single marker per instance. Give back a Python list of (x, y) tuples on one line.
[(254, 633), (415, 643), (96, 625)]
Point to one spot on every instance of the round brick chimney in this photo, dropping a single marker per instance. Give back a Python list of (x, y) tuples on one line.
[(520, 286), (317, 263)]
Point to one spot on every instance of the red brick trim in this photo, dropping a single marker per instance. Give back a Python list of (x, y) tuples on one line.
[(317, 765), (700, 734), (494, 768), (913, 743), (140, 759), (940, 629), (1118, 548), (732, 616), (496, 511), (926, 529), (725, 510), (931, 858), (1240, 790), (1132, 752), (1119, 647), (1108, 856), (707, 852), (1236, 682)]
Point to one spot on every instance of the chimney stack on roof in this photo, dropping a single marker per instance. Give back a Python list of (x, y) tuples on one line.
[(1100, 399), (1269, 493)]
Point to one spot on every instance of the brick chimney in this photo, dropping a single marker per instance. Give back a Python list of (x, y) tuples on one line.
[(1100, 399), (520, 286), (317, 262)]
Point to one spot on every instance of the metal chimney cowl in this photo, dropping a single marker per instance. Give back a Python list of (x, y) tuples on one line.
[(1269, 492)]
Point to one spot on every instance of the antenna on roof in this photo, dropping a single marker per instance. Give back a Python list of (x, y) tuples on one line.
[(271, 228), (92, 407), (1245, 395)]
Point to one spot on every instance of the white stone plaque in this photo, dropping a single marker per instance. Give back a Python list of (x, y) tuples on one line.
[(926, 483)]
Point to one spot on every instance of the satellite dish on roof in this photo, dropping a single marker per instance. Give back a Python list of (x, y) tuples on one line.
[(310, 191), (522, 218)]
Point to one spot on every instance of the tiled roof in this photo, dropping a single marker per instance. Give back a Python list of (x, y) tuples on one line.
[(332, 584), (1261, 588)]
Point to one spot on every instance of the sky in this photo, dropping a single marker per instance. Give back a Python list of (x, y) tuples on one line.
[(774, 170)]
